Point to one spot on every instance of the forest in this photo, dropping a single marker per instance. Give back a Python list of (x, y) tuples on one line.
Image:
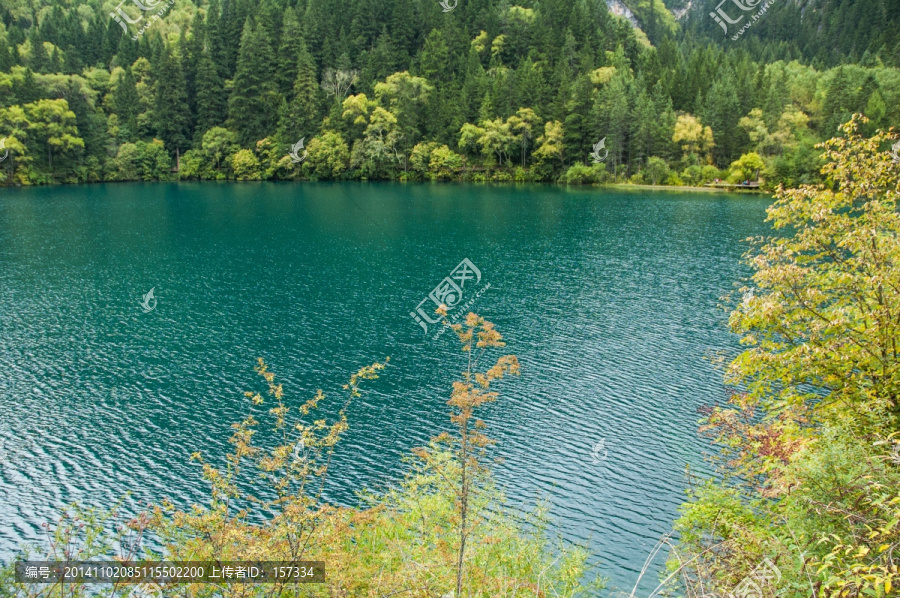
[(482, 90)]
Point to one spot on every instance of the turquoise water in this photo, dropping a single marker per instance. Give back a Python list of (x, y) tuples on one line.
[(609, 299)]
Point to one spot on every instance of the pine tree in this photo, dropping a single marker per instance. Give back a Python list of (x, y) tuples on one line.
[(254, 101), (6, 59), (642, 124), (127, 105), (90, 122), (215, 41), (611, 113), (28, 91), (721, 112), (127, 52), (171, 111), (579, 130), (301, 116), (191, 47), (210, 99), (289, 52), (231, 26), (39, 59), (110, 42)]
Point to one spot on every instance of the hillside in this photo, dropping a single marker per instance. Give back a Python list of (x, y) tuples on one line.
[(479, 90)]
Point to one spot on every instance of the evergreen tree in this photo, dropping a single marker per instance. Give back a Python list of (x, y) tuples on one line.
[(127, 105), (302, 115), (579, 130), (722, 111), (611, 113), (210, 99), (171, 112), (6, 59), (110, 42), (215, 40), (39, 60), (254, 101), (642, 124), (288, 55), (90, 123)]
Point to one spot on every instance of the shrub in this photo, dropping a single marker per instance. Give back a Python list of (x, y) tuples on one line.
[(692, 175), (745, 167), (245, 165), (142, 161), (420, 156), (657, 170), (444, 163), (709, 173), (579, 174), (444, 528), (673, 179), (809, 468), (327, 156)]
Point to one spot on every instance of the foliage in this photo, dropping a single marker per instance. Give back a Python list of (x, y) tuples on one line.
[(327, 156), (746, 168), (523, 92), (443, 528), (657, 170), (579, 174), (141, 161), (245, 165), (809, 466)]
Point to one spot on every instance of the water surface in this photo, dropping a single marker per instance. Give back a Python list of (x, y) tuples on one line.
[(609, 299)]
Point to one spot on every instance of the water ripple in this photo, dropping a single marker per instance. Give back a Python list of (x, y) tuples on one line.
[(608, 298)]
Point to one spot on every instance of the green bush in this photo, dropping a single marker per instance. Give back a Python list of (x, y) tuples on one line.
[(444, 163), (328, 156), (809, 465), (692, 175), (657, 170), (579, 174), (245, 165), (674, 180), (141, 161)]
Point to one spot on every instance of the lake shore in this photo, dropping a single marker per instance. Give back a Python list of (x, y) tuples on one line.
[(686, 188)]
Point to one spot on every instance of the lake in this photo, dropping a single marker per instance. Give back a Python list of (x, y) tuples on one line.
[(608, 297)]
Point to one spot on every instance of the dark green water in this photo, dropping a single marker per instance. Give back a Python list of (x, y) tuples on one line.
[(608, 298)]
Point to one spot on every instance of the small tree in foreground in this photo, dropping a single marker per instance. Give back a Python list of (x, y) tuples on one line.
[(442, 529), (477, 337)]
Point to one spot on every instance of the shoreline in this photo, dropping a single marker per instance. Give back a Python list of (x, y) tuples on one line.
[(756, 190)]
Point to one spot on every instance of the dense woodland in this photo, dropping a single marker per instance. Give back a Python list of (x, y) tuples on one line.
[(401, 90)]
